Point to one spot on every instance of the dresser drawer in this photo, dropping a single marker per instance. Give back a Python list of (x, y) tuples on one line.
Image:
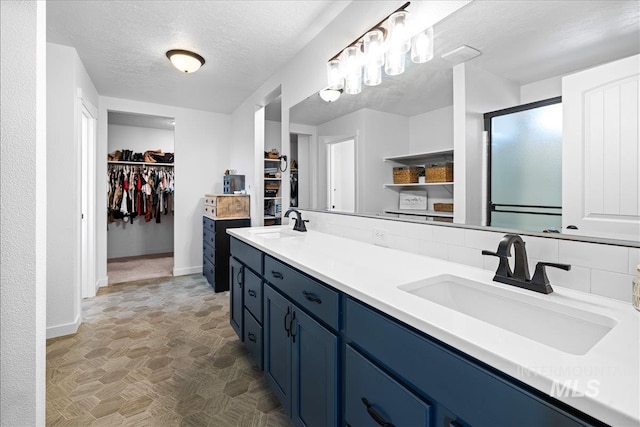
[(208, 224), (248, 255), (209, 238), (387, 398), (208, 253), (317, 298), (253, 294), (209, 271), (253, 337)]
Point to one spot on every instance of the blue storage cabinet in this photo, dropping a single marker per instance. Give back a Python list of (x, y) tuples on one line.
[(334, 361)]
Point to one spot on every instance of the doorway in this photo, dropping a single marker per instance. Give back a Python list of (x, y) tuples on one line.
[(88, 138), (140, 179), (342, 177)]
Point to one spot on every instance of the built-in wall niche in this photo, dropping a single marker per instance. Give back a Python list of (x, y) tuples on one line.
[(140, 223)]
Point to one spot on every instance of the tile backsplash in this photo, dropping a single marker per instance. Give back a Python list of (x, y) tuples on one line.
[(604, 270)]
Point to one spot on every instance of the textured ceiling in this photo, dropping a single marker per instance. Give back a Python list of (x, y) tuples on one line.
[(122, 45), (523, 41)]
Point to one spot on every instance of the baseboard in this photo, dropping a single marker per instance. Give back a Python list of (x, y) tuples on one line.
[(186, 271), (62, 330), (138, 252), (102, 283)]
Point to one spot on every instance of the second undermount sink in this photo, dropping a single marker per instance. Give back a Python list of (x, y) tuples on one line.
[(562, 327), (274, 234)]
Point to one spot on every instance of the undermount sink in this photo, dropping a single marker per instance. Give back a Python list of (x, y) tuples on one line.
[(274, 234), (564, 328)]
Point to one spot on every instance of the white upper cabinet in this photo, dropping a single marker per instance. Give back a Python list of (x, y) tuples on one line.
[(600, 155)]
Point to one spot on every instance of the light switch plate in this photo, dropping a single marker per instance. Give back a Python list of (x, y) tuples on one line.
[(380, 237)]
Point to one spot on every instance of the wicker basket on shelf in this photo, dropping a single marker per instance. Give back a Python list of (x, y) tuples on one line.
[(405, 175), (439, 173), (443, 207)]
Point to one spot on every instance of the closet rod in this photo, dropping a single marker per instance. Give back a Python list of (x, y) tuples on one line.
[(139, 163)]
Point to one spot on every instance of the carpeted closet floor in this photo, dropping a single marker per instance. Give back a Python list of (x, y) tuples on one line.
[(157, 353), (129, 269)]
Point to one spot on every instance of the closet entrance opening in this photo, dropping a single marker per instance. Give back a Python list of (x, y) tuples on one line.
[(140, 179)]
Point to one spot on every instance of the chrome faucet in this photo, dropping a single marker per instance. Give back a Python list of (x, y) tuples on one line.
[(520, 275), (299, 222)]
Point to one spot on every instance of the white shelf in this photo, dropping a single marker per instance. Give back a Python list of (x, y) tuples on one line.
[(111, 162), (273, 179), (420, 213), (425, 185), (273, 198), (421, 158), (272, 160), (272, 217)]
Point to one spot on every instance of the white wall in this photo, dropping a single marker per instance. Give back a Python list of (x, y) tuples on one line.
[(540, 90), (23, 198), (65, 75), (140, 238), (201, 157), (272, 135), (431, 131)]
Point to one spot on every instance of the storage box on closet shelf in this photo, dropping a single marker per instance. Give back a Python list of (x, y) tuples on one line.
[(149, 156), (274, 154)]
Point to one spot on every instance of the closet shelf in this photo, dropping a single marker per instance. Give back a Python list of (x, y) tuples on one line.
[(110, 162), (425, 185), (421, 158), (272, 179)]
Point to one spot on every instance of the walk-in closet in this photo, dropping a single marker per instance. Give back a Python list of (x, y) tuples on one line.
[(140, 206)]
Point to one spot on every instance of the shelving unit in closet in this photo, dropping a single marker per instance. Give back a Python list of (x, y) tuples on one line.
[(439, 194), (272, 192)]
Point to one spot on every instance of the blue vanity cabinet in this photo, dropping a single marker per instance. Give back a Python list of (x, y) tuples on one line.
[(464, 391), (300, 362)]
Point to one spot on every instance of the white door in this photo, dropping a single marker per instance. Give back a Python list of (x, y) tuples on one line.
[(87, 142), (600, 155), (342, 176)]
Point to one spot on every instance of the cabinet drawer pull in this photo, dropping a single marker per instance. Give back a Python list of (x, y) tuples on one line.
[(292, 327), (311, 297), (277, 274), (286, 322), (239, 278), (251, 337), (376, 417), (252, 293)]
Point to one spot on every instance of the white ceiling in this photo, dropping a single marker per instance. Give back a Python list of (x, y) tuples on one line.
[(140, 120), (522, 40), (122, 45)]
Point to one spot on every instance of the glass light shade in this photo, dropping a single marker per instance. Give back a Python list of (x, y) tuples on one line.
[(351, 59), (334, 75), (353, 83), (329, 95), (394, 63), (422, 46), (185, 61), (373, 47), (372, 74), (399, 32)]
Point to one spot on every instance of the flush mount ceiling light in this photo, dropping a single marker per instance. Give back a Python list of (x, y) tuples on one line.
[(330, 95), (185, 61), (384, 45)]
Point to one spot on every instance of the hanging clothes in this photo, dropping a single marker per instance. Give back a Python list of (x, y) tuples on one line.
[(139, 191)]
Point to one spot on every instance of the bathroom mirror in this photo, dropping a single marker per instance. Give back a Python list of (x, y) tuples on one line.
[(531, 44)]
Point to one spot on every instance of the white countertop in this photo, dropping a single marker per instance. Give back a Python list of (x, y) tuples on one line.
[(604, 383)]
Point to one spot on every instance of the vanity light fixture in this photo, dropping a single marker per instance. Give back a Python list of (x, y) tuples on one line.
[(383, 45), (330, 95), (185, 60)]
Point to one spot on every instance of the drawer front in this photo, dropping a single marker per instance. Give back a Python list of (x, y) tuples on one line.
[(210, 199), (306, 292), (209, 271), (387, 399), (479, 396), (253, 294), (248, 255), (208, 224), (209, 237), (208, 253), (253, 338)]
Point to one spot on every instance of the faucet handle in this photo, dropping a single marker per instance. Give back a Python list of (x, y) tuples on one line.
[(504, 269), (540, 275)]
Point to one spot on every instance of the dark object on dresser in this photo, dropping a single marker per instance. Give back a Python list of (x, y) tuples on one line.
[(215, 250)]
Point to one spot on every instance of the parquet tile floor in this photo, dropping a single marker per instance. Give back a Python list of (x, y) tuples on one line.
[(157, 353)]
